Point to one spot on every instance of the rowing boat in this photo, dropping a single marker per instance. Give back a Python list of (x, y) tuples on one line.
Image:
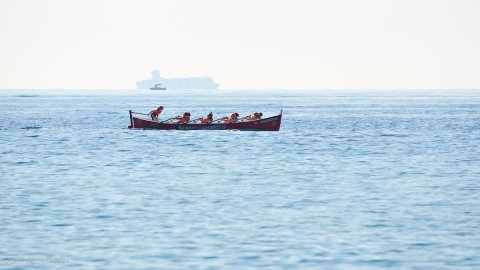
[(265, 124)]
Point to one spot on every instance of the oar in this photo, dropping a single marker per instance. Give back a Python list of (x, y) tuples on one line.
[(194, 120), (242, 118), (219, 119), (168, 120), (156, 123)]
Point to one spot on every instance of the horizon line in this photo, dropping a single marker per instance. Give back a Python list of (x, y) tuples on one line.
[(246, 89)]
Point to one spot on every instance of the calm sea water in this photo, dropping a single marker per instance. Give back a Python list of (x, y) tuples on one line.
[(353, 180)]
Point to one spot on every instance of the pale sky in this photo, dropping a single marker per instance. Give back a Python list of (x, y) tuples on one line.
[(242, 44)]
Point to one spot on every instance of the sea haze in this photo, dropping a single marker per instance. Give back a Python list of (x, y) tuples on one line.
[(353, 180)]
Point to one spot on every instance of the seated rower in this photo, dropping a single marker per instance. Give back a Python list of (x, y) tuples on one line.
[(155, 113), (209, 119), (232, 119), (185, 118), (255, 116)]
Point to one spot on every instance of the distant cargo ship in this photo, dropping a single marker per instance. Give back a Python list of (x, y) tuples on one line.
[(177, 83)]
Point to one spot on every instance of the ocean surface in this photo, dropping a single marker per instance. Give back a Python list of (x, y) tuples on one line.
[(353, 180)]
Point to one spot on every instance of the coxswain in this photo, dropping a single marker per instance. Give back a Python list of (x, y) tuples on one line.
[(155, 113)]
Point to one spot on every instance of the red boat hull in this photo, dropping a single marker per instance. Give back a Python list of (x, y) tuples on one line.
[(267, 124)]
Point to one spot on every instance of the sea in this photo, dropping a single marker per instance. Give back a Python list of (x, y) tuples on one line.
[(357, 179)]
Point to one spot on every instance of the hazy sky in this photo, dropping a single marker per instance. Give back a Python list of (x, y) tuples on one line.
[(242, 44)]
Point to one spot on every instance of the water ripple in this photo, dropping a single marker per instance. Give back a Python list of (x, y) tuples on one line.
[(352, 180)]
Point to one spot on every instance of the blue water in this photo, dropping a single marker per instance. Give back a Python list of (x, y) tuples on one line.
[(353, 180)]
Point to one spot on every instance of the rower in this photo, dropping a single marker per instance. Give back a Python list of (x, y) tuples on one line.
[(209, 119), (185, 118), (255, 116), (155, 113), (233, 118)]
